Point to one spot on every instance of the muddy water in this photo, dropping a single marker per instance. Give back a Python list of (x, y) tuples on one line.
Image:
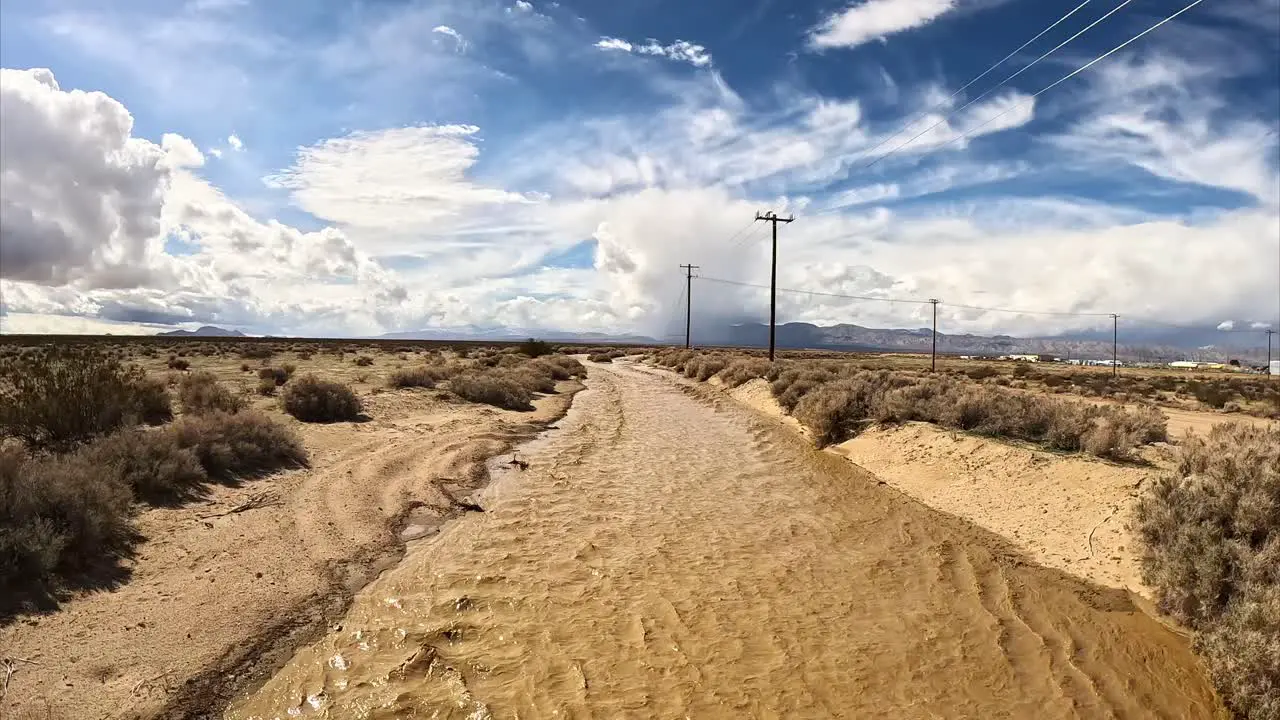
[(669, 555)]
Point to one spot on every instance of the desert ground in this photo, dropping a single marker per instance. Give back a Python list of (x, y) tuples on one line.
[(667, 547)]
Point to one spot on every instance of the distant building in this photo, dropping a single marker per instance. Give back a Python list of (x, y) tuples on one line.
[(1275, 367), (1184, 364), (1021, 358)]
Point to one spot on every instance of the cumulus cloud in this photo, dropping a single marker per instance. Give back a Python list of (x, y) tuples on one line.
[(80, 197), (1226, 325), (875, 20), (1259, 326), (235, 142), (680, 50)]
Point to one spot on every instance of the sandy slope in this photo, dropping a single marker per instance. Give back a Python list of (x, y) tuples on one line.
[(214, 597), (1065, 511)]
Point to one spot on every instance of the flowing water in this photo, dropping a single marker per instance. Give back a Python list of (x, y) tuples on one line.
[(668, 554)]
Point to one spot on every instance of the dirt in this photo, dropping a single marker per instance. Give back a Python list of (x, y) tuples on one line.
[(219, 598), (671, 553)]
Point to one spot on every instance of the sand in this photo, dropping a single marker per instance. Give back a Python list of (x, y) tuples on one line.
[(218, 599), (1069, 512)]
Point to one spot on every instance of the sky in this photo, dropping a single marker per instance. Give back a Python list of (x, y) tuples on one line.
[(369, 166)]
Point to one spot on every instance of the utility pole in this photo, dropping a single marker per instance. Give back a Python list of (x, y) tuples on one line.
[(688, 306), (1269, 332), (933, 353), (1115, 344), (772, 217)]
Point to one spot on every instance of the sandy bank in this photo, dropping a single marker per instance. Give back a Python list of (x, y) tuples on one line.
[(1068, 512), (222, 592)]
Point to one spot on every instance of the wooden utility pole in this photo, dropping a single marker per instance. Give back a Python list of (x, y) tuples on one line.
[(1269, 332), (933, 352), (688, 305), (772, 217), (1115, 344)]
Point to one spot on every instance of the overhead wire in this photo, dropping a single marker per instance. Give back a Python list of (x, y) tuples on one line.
[(997, 86), (809, 292), (939, 106)]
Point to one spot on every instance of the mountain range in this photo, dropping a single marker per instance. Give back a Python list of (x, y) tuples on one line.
[(1143, 344)]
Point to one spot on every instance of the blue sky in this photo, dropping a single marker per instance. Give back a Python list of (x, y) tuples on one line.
[(366, 167)]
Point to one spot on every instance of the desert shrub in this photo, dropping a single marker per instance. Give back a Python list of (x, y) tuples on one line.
[(200, 393), (600, 357), (176, 363), (151, 402), (508, 360), (257, 352), (267, 387), (533, 378), (60, 517), (363, 361), (535, 348), (311, 399), (792, 384), (245, 367), (740, 370), (703, 367), (233, 446), (1211, 394), (492, 388), (420, 376), (149, 462), (305, 355), (981, 372), (1211, 530), (557, 367), (73, 394), (278, 376)]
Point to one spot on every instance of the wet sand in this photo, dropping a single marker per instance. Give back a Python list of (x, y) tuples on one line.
[(670, 553)]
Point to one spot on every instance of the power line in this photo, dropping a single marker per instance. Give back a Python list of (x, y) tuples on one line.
[(965, 86), (998, 85), (1072, 74), (1028, 312)]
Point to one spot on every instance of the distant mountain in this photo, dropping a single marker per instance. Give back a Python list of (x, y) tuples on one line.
[(503, 334), (204, 331), (1148, 346)]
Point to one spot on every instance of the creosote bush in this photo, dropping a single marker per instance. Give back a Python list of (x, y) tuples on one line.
[(311, 399), (240, 445), (1211, 531), (363, 361), (741, 370), (71, 394)]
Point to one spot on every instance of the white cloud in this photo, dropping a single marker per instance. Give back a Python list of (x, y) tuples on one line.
[(680, 50), (1259, 326), (875, 20), (523, 6), (235, 142), (180, 152), (1226, 325), (446, 30), (79, 197), (216, 152), (391, 179)]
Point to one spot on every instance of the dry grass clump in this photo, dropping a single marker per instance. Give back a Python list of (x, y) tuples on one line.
[(601, 357), (150, 463), (420, 376), (494, 387), (277, 375), (311, 399), (703, 367), (201, 393), (1212, 534), (363, 361), (68, 394), (793, 383)]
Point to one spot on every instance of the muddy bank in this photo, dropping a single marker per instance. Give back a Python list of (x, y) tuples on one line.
[(222, 592), (669, 553)]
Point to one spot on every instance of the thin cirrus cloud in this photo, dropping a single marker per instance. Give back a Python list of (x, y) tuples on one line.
[(875, 20)]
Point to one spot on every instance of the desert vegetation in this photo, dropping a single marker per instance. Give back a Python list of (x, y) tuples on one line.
[(311, 399), (836, 401), (77, 455), (1211, 528)]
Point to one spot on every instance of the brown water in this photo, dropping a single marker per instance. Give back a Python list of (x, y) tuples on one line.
[(668, 555)]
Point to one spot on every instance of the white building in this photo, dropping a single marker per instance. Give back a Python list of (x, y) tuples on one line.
[(1275, 367), (1184, 364)]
